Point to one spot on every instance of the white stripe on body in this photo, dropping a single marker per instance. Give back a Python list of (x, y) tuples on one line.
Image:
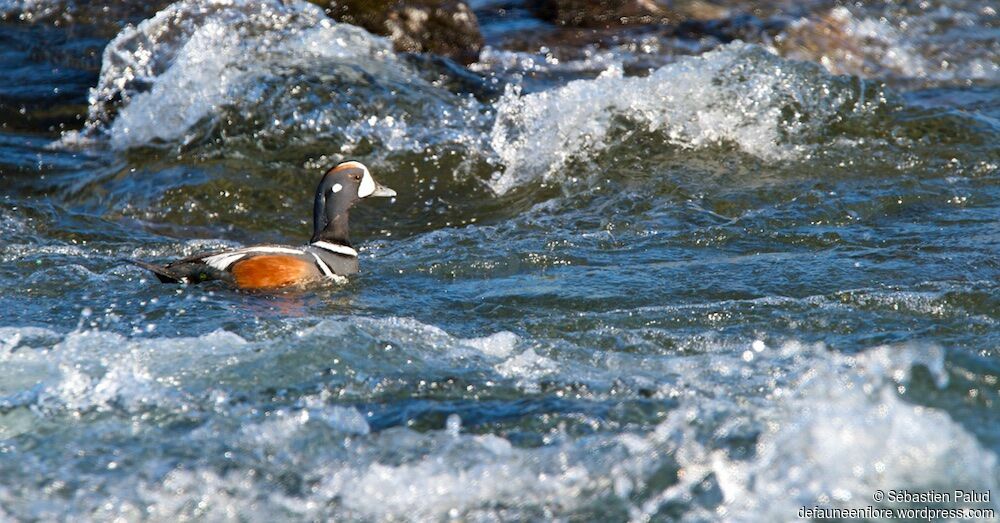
[(224, 260), (322, 265), (326, 270)]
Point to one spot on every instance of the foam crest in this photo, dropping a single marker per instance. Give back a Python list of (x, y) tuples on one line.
[(464, 476), (12, 338), (94, 369), (85, 370), (254, 69), (461, 476), (840, 431), (527, 367), (824, 427), (413, 333), (738, 95), (283, 424)]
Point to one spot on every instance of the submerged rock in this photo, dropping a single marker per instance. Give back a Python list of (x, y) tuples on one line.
[(615, 13), (602, 13), (445, 27), (897, 43), (748, 28)]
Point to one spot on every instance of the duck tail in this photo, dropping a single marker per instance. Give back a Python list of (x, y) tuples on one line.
[(164, 274)]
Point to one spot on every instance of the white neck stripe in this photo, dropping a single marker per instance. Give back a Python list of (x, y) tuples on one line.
[(333, 247)]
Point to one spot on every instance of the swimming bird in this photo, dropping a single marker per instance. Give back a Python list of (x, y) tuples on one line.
[(329, 254)]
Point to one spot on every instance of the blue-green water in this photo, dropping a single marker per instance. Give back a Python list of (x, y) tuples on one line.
[(728, 286)]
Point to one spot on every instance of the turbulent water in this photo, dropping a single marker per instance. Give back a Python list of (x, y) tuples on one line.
[(726, 286)]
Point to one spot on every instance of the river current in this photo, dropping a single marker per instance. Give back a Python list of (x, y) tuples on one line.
[(668, 280)]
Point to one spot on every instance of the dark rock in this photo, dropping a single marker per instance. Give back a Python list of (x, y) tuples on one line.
[(748, 28), (603, 13), (445, 27), (611, 13)]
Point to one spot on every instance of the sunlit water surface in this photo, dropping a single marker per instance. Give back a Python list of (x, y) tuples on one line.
[(727, 287)]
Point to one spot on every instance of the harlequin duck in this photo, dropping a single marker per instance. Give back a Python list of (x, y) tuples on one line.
[(329, 254)]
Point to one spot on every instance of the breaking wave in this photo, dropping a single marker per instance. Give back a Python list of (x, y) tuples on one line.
[(738, 95), (816, 425), (258, 71), (270, 73)]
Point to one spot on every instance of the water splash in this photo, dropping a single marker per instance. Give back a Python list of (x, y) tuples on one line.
[(826, 428), (738, 95), (261, 72)]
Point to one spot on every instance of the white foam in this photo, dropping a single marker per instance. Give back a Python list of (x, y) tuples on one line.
[(283, 424), (12, 338), (447, 484), (195, 87), (412, 331), (738, 94), (177, 71), (837, 432), (499, 344), (85, 370), (825, 425), (527, 367)]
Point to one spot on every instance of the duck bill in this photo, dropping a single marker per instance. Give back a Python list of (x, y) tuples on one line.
[(383, 191)]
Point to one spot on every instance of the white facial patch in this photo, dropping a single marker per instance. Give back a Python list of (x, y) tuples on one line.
[(336, 187), (367, 186)]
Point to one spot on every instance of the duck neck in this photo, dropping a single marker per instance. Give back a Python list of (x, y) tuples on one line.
[(336, 230)]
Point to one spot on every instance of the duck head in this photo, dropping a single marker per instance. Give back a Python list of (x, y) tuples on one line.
[(338, 191)]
